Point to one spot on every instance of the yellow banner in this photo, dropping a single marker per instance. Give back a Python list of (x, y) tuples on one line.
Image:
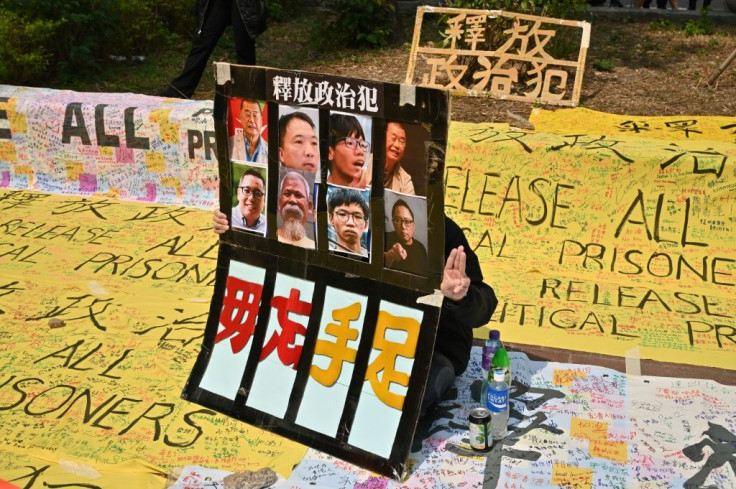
[(604, 241), (103, 305)]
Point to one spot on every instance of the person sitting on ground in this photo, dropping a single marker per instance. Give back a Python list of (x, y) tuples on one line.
[(468, 303)]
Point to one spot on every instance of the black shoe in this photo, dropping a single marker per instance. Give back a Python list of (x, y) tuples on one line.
[(616, 3)]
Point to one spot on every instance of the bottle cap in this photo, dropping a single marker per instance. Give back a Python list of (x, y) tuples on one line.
[(499, 375), (494, 334)]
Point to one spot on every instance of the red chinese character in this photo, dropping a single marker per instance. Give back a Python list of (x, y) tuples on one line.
[(238, 315), (289, 355)]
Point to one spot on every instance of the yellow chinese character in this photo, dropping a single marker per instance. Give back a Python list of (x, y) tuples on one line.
[(337, 351), (385, 362)]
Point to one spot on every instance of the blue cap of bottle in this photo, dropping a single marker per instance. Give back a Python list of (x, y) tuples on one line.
[(494, 334)]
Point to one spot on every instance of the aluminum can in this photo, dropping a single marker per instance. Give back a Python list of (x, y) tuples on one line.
[(479, 429)]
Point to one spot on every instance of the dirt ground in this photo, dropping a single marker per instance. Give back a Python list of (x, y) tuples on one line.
[(658, 70)]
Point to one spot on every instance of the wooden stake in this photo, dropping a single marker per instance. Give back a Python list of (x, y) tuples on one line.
[(722, 67)]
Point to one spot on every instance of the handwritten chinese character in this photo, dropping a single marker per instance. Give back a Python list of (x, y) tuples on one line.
[(700, 160), (20, 199), (338, 351), (78, 303), (184, 326), (239, 312), (385, 363), (83, 205), (283, 342), (683, 126), (7, 289), (161, 213)]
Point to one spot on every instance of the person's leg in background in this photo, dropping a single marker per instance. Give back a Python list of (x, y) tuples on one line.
[(694, 4), (245, 46), (441, 377), (216, 19)]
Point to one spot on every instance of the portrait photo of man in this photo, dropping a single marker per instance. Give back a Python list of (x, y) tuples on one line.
[(348, 214), (404, 249), (247, 143), (349, 151), (295, 211), (299, 139), (405, 158), (250, 193)]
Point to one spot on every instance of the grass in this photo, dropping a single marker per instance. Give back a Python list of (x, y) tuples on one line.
[(283, 45), (653, 45)]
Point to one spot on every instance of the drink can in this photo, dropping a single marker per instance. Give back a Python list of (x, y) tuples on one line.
[(480, 429)]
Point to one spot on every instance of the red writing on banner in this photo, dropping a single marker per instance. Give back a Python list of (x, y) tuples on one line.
[(239, 312), (283, 342)]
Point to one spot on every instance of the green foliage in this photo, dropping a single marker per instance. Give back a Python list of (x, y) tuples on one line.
[(606, 65), (700, 27), (358, 23), (23, 53), (661, 25), (81, 30), (72, 39), (281, 10), (560, 9)]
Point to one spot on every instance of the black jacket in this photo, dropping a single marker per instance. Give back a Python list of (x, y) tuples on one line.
[(458, 319), (253, 13)]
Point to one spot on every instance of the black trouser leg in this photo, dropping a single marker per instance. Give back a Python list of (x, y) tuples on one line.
[(692, 4), (217, 18), (440, 378), (245, 47)]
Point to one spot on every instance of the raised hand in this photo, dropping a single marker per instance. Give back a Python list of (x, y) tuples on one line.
[(455, 282)]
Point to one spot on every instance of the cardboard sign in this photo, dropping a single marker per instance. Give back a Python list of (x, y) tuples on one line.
[(315, 331), (502, 54)]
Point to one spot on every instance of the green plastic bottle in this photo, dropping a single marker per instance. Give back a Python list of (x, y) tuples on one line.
[(501, 360)]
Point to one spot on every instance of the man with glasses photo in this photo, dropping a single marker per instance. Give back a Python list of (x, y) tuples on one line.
[(249, 145), (348, 215), (251, 192), (348, 151), (403, 252)]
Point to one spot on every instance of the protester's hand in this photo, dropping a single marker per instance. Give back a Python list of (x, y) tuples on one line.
[(219, 221), (394, 254), (454, 281)]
